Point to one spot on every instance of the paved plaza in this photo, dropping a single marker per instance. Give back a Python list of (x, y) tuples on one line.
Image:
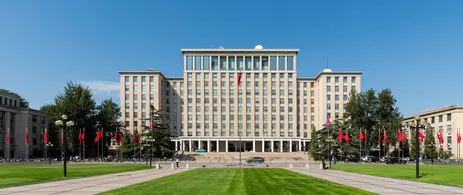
[(380, 185), (98, 184)]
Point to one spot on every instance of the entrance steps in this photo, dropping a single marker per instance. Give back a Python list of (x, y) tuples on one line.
[(276, 157)]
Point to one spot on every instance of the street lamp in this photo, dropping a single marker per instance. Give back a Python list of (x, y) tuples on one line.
[(64, 123), (419, 124), (49, 145), (150, 140)]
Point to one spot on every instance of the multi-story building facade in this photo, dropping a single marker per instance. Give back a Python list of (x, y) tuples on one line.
[(446, 120), (16, 121), (271, 111)]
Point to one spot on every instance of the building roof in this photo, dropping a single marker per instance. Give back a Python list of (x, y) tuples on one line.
[(331, 73), (435, 111), (148, 71), (238, 50)]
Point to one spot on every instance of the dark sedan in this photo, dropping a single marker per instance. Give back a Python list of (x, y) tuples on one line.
[(255, 160)]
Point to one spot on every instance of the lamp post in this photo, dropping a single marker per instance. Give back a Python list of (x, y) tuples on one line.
[(63, 124), (417, 127), (151, 140), (49, 145)]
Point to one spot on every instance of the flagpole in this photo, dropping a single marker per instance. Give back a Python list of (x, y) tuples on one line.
[(27, 145), (80, 144), (102, 144), (83, 148)]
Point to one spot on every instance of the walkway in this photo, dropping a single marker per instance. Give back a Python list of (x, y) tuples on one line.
[(90, 185), (380, 185)]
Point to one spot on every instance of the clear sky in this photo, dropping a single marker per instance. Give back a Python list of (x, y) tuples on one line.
[(414, 47)]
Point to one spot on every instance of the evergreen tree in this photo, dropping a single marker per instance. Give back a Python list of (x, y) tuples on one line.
[(430, 150), (314, 145), (160, 133)]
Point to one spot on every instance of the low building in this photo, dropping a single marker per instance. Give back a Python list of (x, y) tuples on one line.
[(16, 120), (446, 120)]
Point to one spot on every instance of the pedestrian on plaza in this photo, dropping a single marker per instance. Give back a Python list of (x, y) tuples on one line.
[(178, 167), (323, 163)]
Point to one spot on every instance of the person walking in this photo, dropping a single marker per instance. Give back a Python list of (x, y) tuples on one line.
[(178, 167)]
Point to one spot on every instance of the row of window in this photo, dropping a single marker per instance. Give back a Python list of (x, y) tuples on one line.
[(240, 92), (233, 63), (232, 84), (240, 126), (248, 134), (8, 102), (440, 118), (336, 79), (240, 117)]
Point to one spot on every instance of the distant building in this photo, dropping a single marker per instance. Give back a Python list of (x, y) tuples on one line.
[(272, 111), (446, 120), (16, 120)]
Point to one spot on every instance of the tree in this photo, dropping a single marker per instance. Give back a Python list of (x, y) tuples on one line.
[(160, 133), (372, 114), (107, 114), (314, 145), (430, 151)]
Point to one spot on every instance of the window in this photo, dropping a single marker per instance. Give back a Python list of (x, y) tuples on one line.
[(135, 79), (328, 97), (441, 118), (223, 63), (197, 62), (248, 62), (273, 63), (256, 62), (215, 63), (231, 63), (290, 62), (189, 62), (353, 79), (206, 64), (449, 117), (281, 63), (336, 79), (328, 88), (328, 79)]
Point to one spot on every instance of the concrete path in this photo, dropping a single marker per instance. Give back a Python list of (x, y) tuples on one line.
[(90, 185), (380, 185)]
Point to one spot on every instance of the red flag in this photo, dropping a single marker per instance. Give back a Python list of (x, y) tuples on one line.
[(45, 136), (399, 136), (421, 136), (441, 138), (328, 122), (134, 138), (98, 136), (404, 137), (361, 137), (239, 78), (385, 137), (340, 135), (458, 137), (27, 136), (8, 140), (83, 136), (346, 137), (379, 137), (120, 137), (139, 137), (80, 136)]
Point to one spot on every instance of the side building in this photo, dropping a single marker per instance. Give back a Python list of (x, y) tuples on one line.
[(14, 121), (447, 121), (271, 111)]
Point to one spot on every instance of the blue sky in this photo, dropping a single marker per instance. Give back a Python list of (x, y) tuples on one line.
[(413, 47)]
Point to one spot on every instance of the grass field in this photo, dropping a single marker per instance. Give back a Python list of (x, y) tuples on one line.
[(439, 174), (237, 181), (19, 174)]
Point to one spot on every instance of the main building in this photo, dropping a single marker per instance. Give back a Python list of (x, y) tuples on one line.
[(272, 110)]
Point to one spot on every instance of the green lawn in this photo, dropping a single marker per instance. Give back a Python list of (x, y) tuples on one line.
[(237, 181), (19, 174), (439, 174)]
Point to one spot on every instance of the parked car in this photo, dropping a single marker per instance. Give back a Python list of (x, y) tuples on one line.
[(200, 150), (395, 160), (370, 159), (352, 159), (255, 160)]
